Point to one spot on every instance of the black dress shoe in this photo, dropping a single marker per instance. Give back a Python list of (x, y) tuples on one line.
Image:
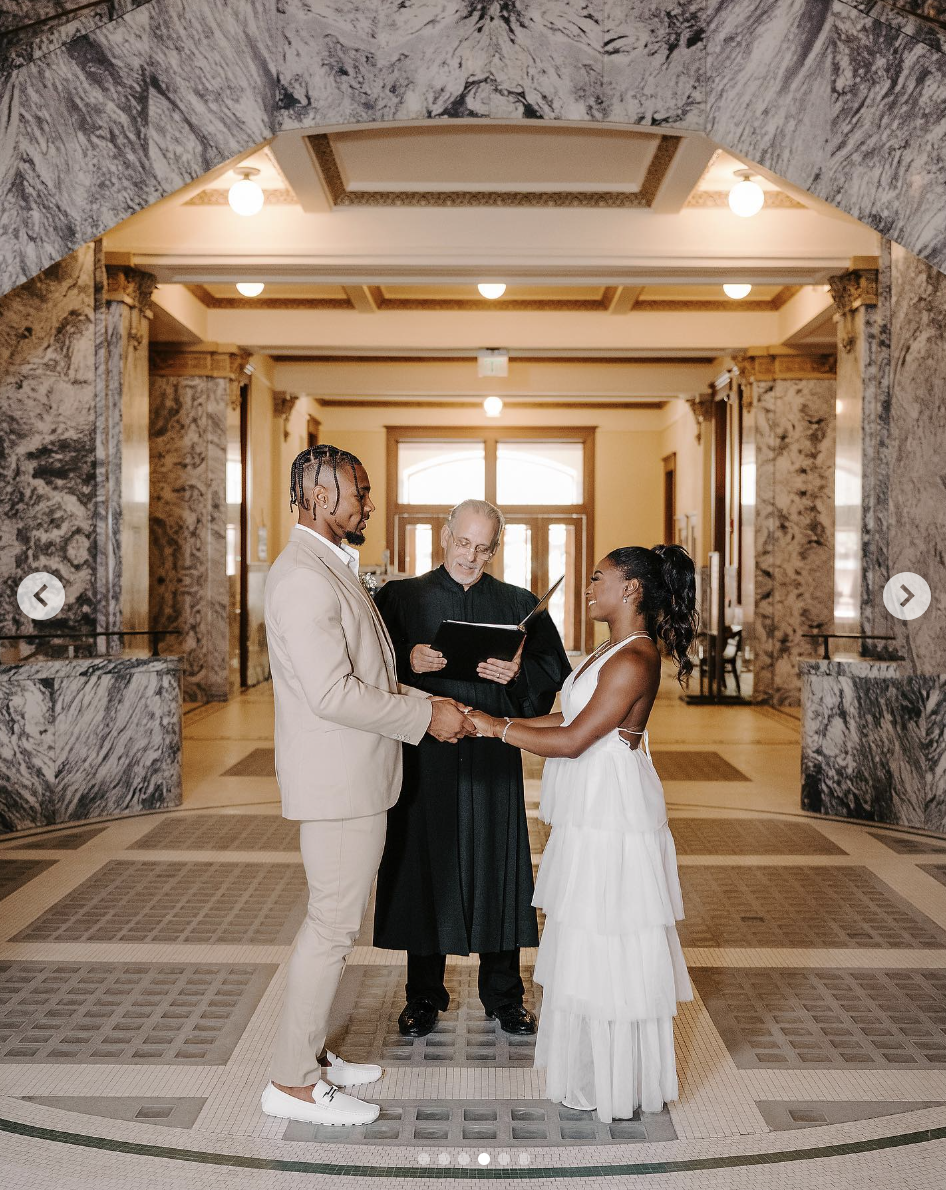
[(417, 1019), (515, 1019)]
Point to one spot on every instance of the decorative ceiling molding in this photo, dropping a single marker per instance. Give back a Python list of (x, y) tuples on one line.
[(510, 305), (340, 196), (774, 199), (765, 367), (667, 360), (376, 301), (213, 197), (510, 404), (212, 302)]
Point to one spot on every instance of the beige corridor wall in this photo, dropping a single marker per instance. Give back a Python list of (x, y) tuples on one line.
[(679, 438)]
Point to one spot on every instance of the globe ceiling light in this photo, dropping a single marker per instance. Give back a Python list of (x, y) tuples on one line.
[(492, 289), (250, 288), (493, 406), (246, 196), (737, 291), (747, 197)]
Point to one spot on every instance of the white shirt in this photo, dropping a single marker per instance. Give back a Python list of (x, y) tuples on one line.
[(348, 555)]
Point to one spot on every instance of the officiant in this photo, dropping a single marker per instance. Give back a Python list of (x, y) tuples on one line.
[(456, 874)]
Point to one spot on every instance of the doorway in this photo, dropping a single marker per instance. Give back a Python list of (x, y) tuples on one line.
[(541, 479)]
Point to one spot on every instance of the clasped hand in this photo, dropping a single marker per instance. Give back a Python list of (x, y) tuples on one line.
[(451, 721)]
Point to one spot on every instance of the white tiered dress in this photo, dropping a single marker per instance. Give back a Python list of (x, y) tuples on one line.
[(610, 962)]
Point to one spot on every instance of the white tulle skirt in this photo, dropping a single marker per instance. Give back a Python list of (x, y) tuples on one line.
[(610, 962)]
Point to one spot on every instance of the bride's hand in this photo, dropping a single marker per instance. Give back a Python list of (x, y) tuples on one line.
[(485, 724)]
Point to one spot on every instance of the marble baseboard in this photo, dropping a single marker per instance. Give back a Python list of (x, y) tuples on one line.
[(90, 737), (874, 742)]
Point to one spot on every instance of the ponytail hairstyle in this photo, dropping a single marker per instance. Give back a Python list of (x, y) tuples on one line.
[(668, 597)]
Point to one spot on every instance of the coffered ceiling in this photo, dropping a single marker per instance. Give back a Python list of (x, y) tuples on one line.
[(612, 242)]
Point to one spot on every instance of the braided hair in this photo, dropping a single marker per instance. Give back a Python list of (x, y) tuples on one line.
[(667, 598), (318, 457)]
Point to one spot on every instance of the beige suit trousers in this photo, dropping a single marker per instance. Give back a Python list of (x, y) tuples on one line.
[(341, 858)]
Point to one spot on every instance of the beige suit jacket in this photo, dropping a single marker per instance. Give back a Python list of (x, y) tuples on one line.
[(341, 716)]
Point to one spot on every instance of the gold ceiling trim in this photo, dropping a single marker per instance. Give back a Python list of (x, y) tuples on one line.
[(600, 305), (770, 367), (509, 305), (212, 302), (218, 198), (721, 306), (340, 196), (510, 403), (667, 360), (774, 199)]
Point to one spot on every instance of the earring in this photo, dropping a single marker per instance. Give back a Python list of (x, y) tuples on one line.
[(625, 599)]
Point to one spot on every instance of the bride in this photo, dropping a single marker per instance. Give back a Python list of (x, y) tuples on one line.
[(610, 963)]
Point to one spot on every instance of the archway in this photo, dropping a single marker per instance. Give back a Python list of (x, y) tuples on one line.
[(105, 116)]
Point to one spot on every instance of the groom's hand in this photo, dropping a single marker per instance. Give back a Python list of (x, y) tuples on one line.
[(448, 721)]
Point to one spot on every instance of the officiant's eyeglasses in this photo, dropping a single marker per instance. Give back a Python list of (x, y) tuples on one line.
[(482, 552)]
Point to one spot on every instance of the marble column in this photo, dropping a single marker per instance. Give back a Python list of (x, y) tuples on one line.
[(193, 390), (908, 490), (855, 300), (48, 432), (73, 379), (874, 731), (123, 524), (792, 402)]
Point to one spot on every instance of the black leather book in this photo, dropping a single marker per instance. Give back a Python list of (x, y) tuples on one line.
[(466, 645)]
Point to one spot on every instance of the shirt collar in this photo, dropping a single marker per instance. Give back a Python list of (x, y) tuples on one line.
[(348, 555)]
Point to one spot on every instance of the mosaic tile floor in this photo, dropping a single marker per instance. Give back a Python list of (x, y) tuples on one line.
[(142, 965)]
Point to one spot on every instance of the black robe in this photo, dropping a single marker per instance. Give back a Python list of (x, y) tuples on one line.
[(456, 875)]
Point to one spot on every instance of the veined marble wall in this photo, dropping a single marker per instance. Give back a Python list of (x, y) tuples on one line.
[(915, 478), (793, 408), (190, 395), (52, 438), (845, 98), (73, 391)]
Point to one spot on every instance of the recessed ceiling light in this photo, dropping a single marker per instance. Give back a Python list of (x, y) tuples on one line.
[(246, 196), (250, 288), (747, 197), (737, 291), (492, 289), (493, 406)]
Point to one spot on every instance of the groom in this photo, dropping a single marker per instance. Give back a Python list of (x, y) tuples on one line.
[(341, 718)]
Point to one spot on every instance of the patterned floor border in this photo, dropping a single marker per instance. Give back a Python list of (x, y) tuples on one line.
[(389, 1171)]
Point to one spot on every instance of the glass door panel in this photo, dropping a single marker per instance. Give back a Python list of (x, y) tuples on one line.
[(565, 602), (417, 544), (517, 555)]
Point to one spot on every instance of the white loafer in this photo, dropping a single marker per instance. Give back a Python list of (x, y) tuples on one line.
[(340, 1073), (329, 1106)]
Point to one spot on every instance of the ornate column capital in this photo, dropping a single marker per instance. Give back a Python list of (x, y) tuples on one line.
[(223, 361), (131, 286), (701, 406), (853, 289), (283, 405), (755, 367)]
